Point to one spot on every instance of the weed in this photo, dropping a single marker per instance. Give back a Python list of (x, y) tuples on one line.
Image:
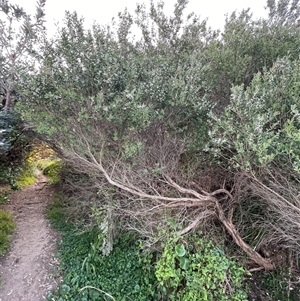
[(4, 198), (25, 181), (121, 275), (41, 164)]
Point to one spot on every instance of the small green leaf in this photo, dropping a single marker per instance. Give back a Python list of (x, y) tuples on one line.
[(180, 250), (184, 263), (65, 289)]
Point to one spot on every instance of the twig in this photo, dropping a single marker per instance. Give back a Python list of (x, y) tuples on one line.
[(99, 290)]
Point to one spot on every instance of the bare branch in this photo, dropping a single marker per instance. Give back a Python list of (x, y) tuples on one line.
[(203, 215), (255, 256)]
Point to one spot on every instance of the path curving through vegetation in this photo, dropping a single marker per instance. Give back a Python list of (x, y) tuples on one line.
[(29, 268)]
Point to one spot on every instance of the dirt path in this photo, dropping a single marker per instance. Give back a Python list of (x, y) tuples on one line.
[(27, 271)]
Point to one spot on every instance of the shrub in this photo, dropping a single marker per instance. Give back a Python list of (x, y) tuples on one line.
[(264, 153), (10, 130)]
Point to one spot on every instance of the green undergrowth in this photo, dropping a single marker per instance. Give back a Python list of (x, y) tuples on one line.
[(125, 274), (3, 197), (7, 227), (193, 269), (18, 174), (27, 176), (282, 285), (28, 173), (51, 169), (186, 269), (8, 174), (40, 158)]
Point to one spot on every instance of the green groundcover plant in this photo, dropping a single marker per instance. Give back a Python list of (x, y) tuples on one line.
[(7, 227), (187, 269), (194, 269)]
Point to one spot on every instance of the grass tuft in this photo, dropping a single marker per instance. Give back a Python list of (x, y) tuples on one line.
[(4, 197), (7, 226)]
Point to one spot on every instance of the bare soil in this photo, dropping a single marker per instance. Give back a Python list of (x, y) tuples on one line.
[(29, 270)]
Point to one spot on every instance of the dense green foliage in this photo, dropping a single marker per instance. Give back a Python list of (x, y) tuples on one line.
[(10, 128), (52, 171), (195, 269), (184, 124), (271, 128), (100, 84), (7, 226), (266, 148), (15, 146), (125, 274), (111, 94), (18, 36)]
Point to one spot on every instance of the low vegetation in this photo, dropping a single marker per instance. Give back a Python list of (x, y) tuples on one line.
[(41, 158), (192, 268), (88, 275), (27, 175), (281, 284), (3, 197), (133, 272), (52, 170), (7, 226)]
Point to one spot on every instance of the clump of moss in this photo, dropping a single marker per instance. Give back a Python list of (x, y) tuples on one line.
[(7, 227)]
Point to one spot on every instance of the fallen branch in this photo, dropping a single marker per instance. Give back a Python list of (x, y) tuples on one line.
[(254, 256), (194, 224), (191, 198)]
